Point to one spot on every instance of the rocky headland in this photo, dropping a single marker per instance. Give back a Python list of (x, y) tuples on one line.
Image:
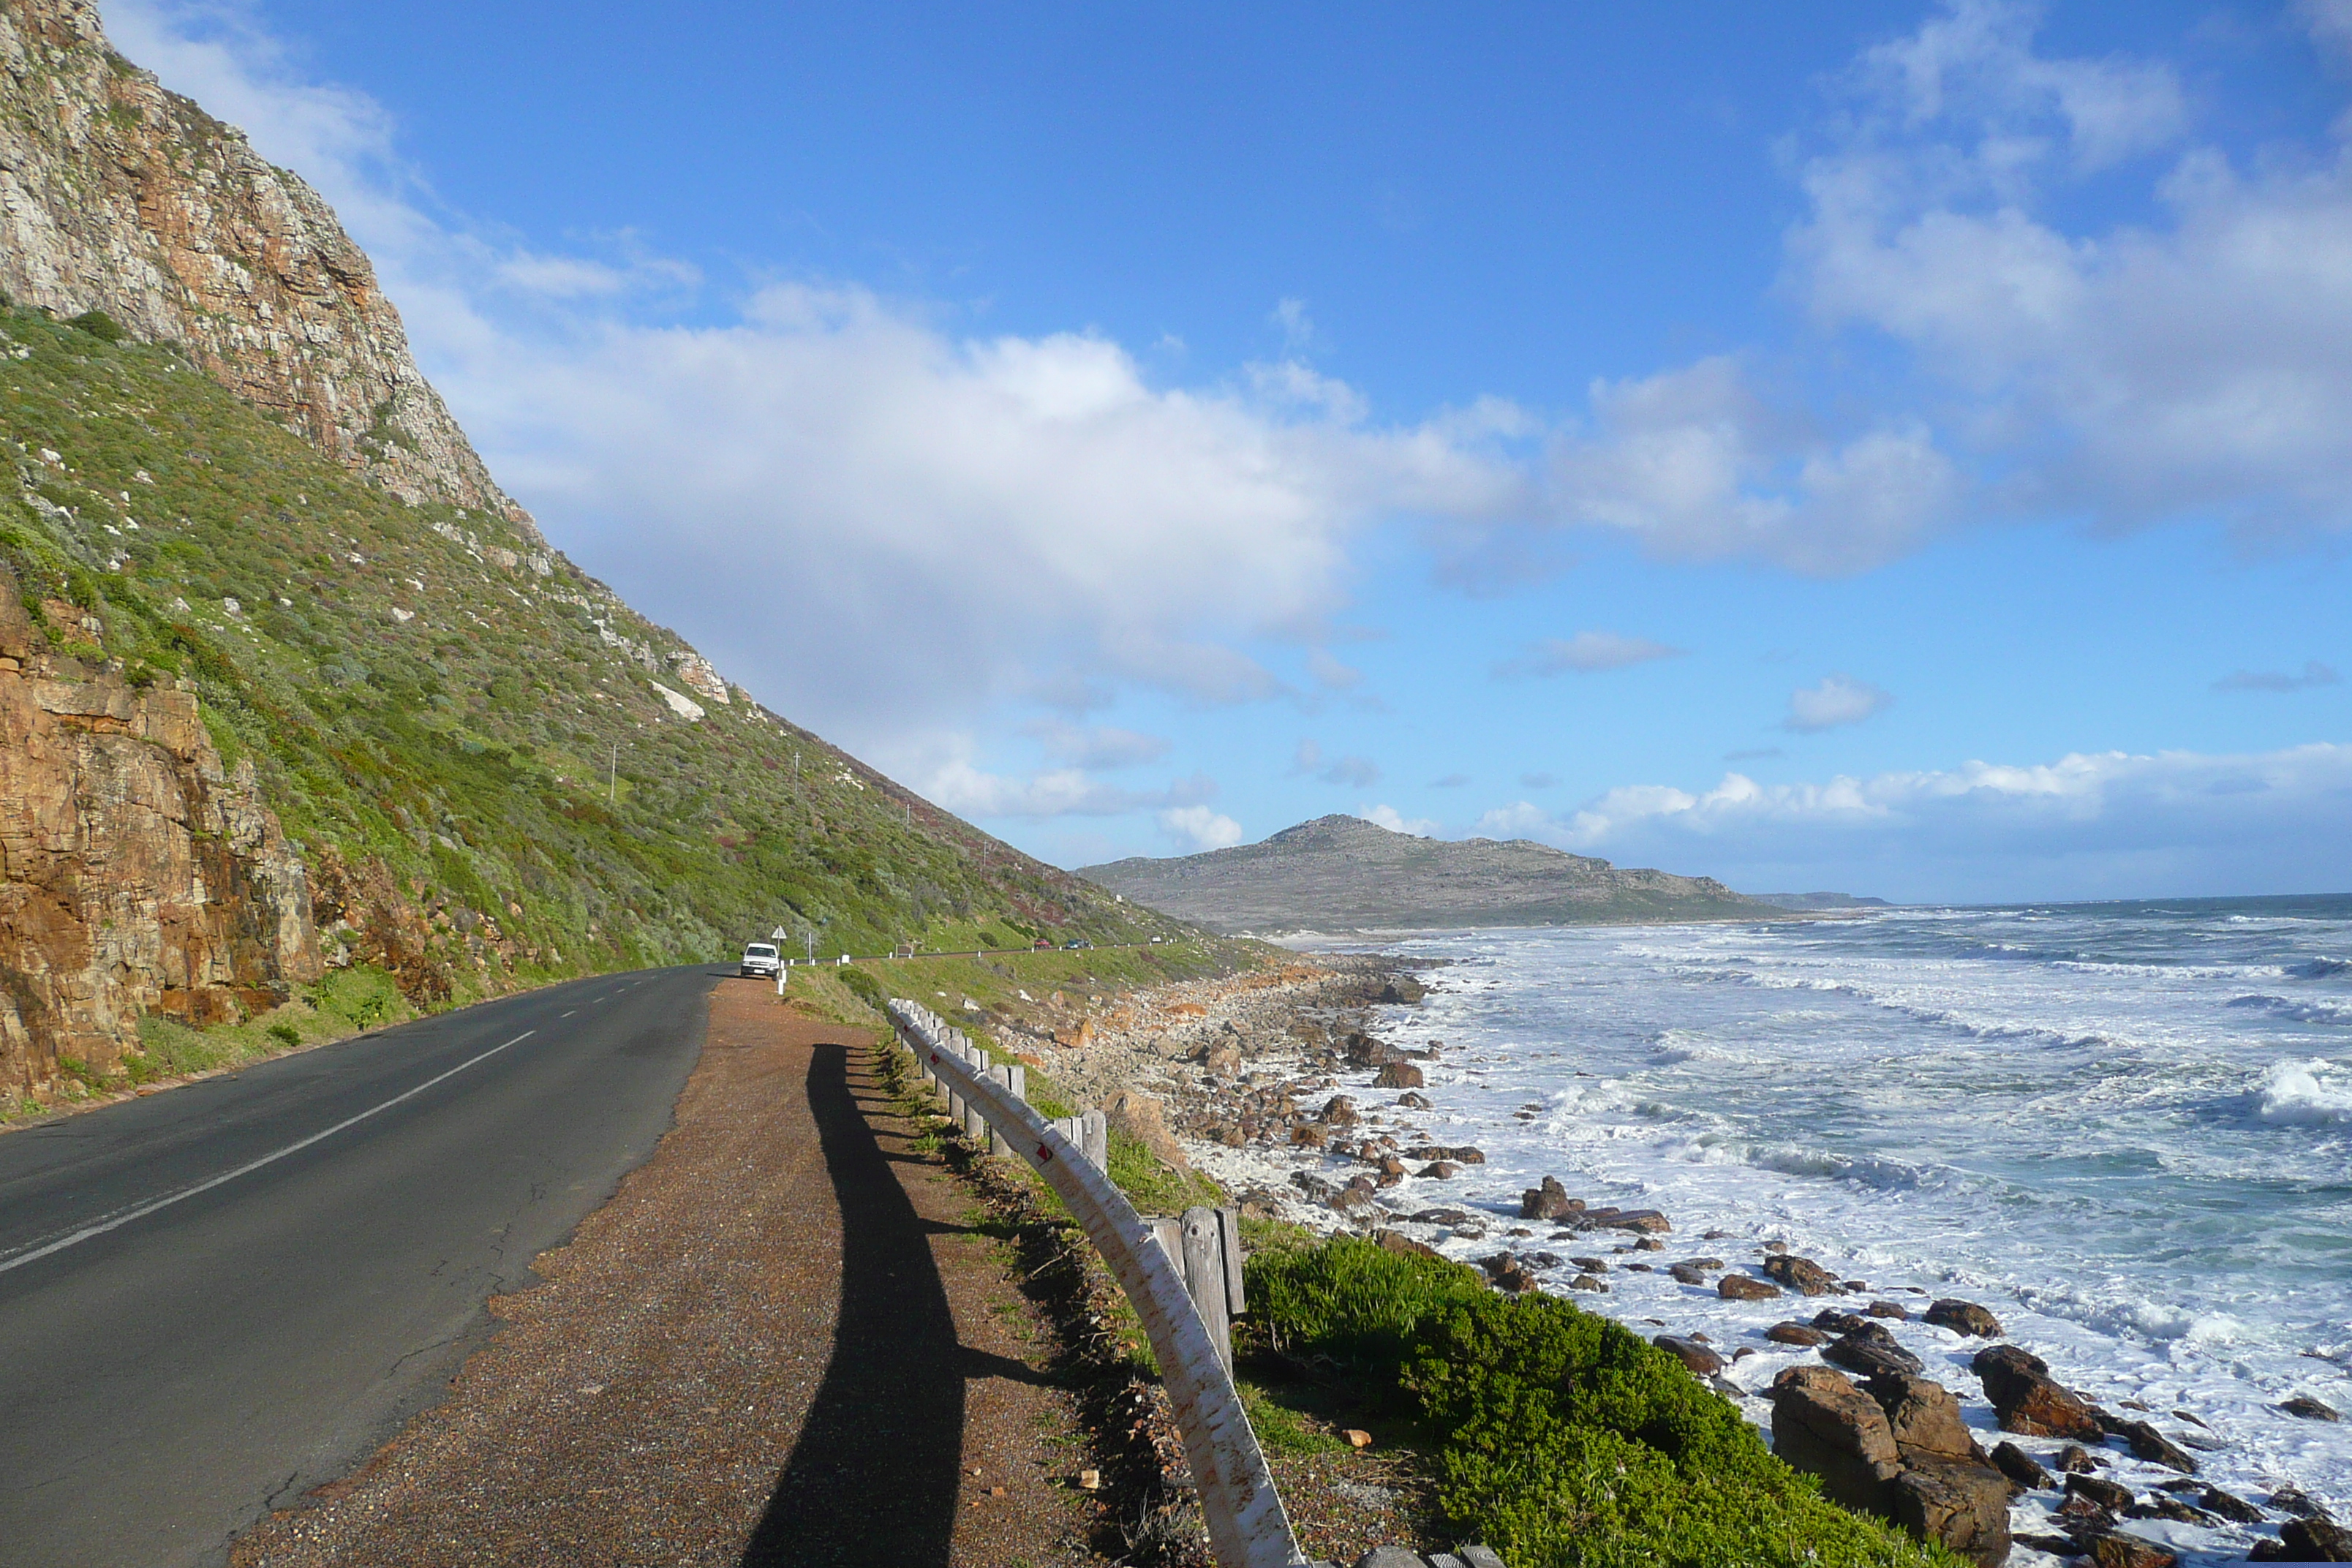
[(1342, 873)]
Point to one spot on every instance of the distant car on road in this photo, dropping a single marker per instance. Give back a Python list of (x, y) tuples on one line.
[(1041, 945), (760, 963), (1074, 943)]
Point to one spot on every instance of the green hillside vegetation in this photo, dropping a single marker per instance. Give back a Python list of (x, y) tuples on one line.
[(438, 711)]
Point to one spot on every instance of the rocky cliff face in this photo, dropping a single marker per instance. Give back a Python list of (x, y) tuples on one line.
[(137, 874), (118, 196)]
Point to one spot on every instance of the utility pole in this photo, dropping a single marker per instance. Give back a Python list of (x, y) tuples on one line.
[(612, 777)]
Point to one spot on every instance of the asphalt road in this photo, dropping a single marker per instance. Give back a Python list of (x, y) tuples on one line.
[(215, 1299)]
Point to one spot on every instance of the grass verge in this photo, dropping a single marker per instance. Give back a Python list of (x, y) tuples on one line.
[(346, 1003)]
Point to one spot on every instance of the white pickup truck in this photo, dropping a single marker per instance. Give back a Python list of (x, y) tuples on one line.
[(760, 961)]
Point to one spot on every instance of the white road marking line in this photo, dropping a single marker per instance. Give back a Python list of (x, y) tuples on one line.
[(569, 1011), (143, 1210)]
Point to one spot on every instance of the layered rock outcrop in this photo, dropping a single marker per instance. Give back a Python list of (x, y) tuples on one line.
[(118, 196), (137, 873)]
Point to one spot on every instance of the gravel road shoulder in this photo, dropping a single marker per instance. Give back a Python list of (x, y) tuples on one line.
[(782, 1342)]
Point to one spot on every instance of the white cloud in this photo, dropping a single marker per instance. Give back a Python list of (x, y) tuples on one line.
[(1698, 464), (1838, 699), (1297, 327), (2330, 22), (1584, 652), (978, 517), (1330, 674), (971, 791), (2313, 673), (1976, 64), (1359, 773), (2134, 375), (1198, 827), (1094, 746), (1395, 821), (2089, 825)]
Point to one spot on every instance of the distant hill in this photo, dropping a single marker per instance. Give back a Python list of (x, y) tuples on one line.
[(1822, 902), (1343, 873)]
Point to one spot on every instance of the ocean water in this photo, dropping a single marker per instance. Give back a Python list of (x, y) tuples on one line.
[(2124, 1128)]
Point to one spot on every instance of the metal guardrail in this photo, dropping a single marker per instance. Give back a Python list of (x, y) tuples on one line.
[(1247, 1525)]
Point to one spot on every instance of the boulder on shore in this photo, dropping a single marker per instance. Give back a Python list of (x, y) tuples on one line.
[(1701, 1359), (1550, 1201), (1959, 1502), (1140, 1117), (1797, 1334), (1925, 1418), (2022, 1468), (1825, 1427), (1740, 1288), (2307, 1540), (1802, 1275), (1873, 1351), (1399, 1075), (2114, 1549), (2030, 1402), (2147, 1442), (1964, 1317)]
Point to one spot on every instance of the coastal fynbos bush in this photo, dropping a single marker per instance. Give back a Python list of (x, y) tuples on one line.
[(1350, 1302), (1562, 1439), (866, 989)]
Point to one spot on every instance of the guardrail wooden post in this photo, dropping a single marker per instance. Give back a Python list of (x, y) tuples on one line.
[(975, 1123), (1095, 1138), (1204, 1276), (1247, 1525), (996, 1143)]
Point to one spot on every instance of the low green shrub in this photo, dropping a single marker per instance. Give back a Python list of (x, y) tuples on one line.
[(1352, 1302), (363, 997), (1563, 1441), (867, 989), (1155, 1188), (173, 1049)]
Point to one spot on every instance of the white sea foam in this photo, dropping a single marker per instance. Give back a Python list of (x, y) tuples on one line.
[(2060, 1113), (2311, 1093)]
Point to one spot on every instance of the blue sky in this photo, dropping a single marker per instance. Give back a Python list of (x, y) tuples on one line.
[(1895, 447)]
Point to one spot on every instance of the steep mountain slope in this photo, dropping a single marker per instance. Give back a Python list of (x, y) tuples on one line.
[(1342, 873), (118, 196), (278, 704)]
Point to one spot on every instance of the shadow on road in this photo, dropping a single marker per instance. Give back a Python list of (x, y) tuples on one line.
[(874, 1477)]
